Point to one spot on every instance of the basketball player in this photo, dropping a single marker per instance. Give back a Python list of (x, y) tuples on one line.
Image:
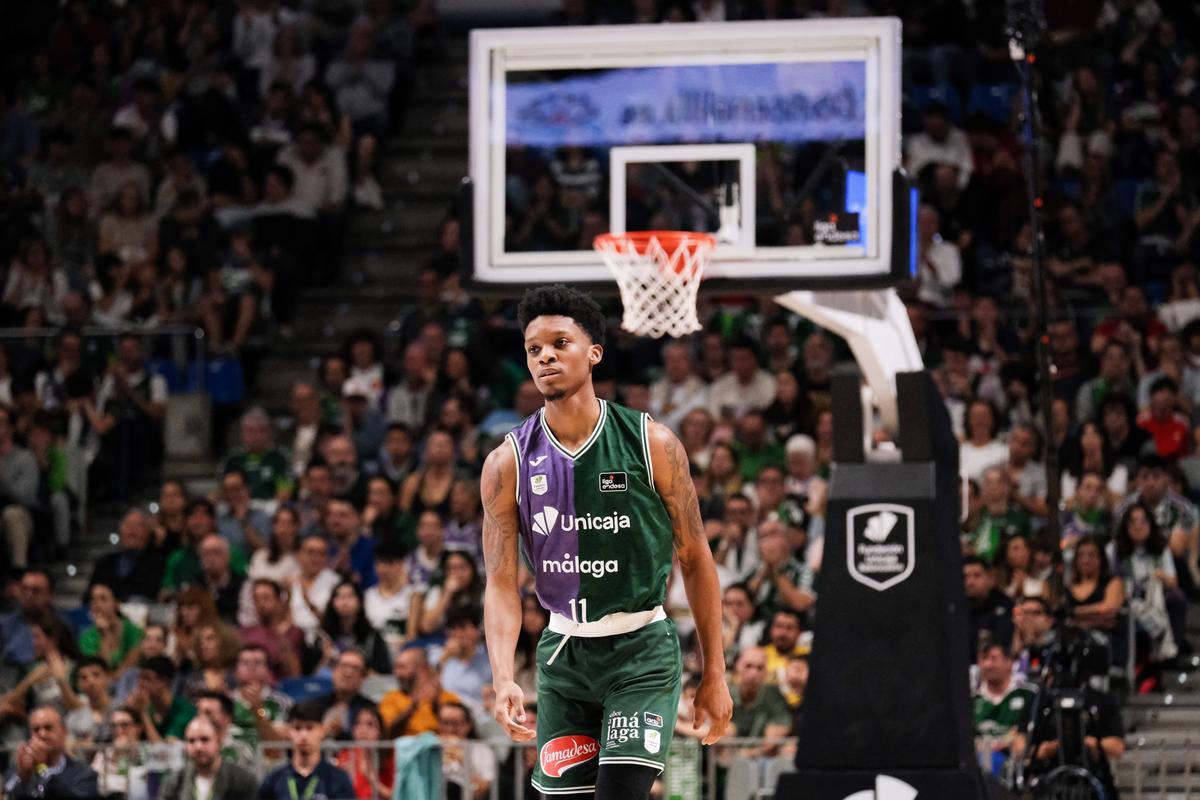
[(599, 497)]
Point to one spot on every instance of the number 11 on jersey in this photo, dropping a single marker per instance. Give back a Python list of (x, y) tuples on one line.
[(579, 612)]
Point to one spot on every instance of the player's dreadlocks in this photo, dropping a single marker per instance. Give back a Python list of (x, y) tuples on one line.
[(560, 300)]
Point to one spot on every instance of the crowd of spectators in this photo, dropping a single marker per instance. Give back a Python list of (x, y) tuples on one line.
[(339, 559), (167, 166)]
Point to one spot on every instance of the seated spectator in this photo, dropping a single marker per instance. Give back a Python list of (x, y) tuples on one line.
[(111, 636), (311, 589), (319, 168), (258, 710), (195, 608), (306, 424), (207, 774), (41, 767), (397, 457), (759, 710), (1140, 557), (1094, 594), (426, 559), (739, 629), (1104, 743), (34, 281), (745, 386), (989, 610), (1001, 702), (169, 523), (128, 233), (35, 599), (276, 562), (217, 708), (460, 588), (386, 524), (18, 494), (134, 570), (164, 713), (1034, 635), (345, 627), (211, 668), (47, 682), (370, 770), (122, 765), (723, 478), (412, 708), (155, 639), (756, 450), (289, 66), (1115, 377), (273, 630), (91, 723), (941, 142), (183, 565), (782, 580), (230, 310), (786, 640), (1089, 451), (118, 170), (679, 390), (351, 553), (408, 402), (1168, 428), (999, 518), (1174, 513), (265, 466), (737, 547), (307, 772), (1026, 472), (1173, 364), (464, 525), (982, 448), (1087, 512), (137, 400), (238, 521), (463, 660), (362, 420), (939, 262), (340, 705), (218, 576), (388, 604), (317, 491), (1016, 569), (467, 763), (349, 481), (181, 177), (428, 489)]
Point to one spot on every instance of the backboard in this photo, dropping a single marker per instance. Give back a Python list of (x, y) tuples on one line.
[(780, 138)]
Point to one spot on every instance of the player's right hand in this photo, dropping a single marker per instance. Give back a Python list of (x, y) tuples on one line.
[(510, 711)]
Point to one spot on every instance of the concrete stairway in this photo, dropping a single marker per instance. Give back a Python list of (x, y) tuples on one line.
[(419, 172), (1163, 760)]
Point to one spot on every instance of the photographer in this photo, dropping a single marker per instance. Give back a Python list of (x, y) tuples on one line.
[(1072, 722)]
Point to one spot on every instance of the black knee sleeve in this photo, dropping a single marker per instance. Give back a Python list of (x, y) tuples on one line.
[(624, 781)]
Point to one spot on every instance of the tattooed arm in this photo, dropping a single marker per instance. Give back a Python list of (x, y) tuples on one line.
[(501, 598), (673, 481)]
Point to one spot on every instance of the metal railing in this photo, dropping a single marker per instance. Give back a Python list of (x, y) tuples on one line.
[(740, 768)]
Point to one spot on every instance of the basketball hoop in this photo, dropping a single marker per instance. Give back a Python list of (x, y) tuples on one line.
[(658, 273)]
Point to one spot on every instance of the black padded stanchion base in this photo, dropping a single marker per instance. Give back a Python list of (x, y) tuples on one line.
[(928, 785)]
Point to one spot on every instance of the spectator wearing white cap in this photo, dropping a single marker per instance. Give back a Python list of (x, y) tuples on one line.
[(800, 454), (361, 418)]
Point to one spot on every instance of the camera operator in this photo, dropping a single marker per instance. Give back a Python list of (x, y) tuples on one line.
[(1072, 722)]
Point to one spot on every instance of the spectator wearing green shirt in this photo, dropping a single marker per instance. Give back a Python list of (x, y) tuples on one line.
[(268, 474), (1001, 700), (259, 712), (999, 516), (164, 713), (755, 448), (111, 637), (781, 581), (759, 710), (183, 565)]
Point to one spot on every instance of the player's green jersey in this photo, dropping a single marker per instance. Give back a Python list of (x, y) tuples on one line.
[(593, 529)]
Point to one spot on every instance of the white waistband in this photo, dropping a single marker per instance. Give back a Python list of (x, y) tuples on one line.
[(609, 625)]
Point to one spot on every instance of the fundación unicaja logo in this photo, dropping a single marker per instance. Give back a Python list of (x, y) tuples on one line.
[(881, 547), (886, 788)]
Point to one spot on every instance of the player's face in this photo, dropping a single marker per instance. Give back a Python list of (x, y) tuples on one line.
[(560, 356)]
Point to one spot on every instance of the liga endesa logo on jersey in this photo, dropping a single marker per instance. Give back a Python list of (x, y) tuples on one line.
[(565, 752)]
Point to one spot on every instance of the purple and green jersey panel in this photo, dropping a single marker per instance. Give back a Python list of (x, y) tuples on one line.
[(593, 529)]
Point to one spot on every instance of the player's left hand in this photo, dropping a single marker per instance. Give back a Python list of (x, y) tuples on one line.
[(712, 705)]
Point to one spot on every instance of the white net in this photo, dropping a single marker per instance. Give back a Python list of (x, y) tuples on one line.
[(658, 273)]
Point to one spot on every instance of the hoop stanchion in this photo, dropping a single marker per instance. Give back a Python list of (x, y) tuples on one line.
[(659, 274)]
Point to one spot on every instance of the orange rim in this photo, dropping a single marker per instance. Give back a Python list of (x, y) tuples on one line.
[(669, 240)]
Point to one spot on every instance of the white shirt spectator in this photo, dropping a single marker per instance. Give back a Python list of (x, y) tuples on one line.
[(318, 594), (729, 393), (939, 271), (320, 183), (282, 571), (973, 460), (955, 150), (671, 402)]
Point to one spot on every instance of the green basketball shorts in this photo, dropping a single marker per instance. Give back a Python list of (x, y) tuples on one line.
[(605, 700)]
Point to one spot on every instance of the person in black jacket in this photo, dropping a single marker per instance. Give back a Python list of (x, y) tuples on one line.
[(206, 775), (989, 610), (42, 768), (135, 570)]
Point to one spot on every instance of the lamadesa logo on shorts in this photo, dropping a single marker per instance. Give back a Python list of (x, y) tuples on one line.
[(545, 520)]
